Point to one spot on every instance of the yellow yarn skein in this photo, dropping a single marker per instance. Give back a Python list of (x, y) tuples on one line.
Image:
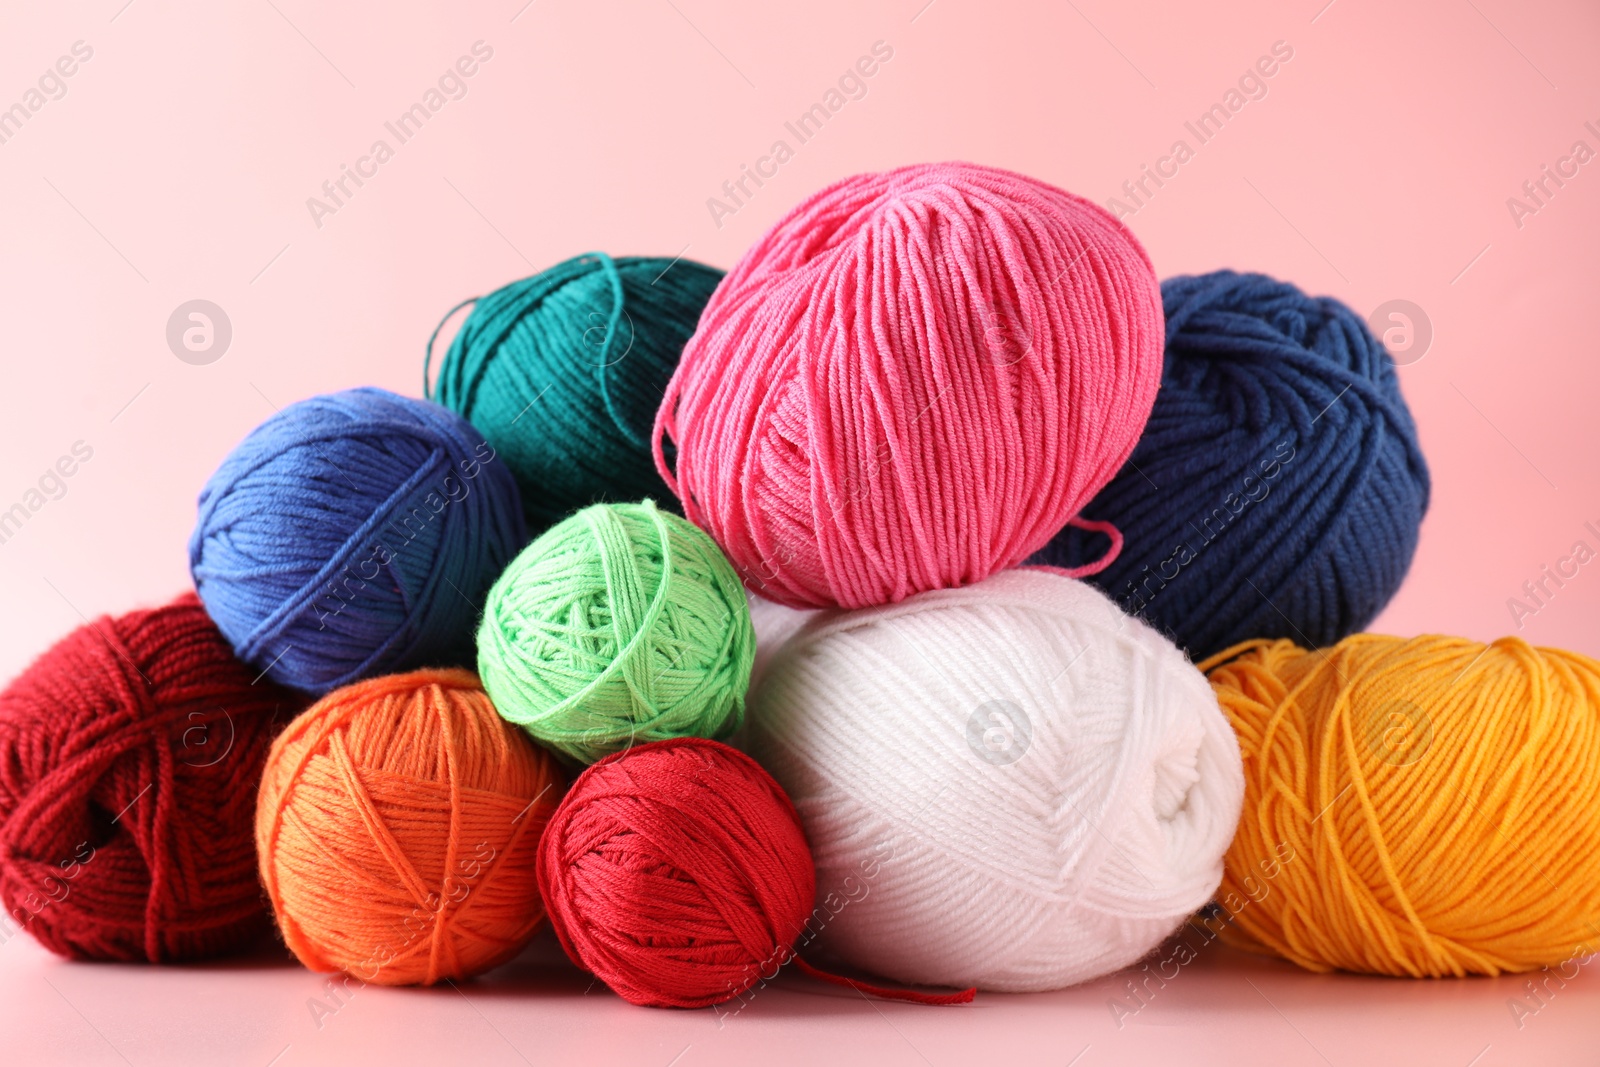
[(1418, 807)]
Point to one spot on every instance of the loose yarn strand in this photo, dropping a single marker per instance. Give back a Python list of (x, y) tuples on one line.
[(427, 359), (1106, 559), (909, 996)]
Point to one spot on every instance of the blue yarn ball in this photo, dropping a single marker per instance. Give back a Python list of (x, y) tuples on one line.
[(354, 534), (1278, 489)]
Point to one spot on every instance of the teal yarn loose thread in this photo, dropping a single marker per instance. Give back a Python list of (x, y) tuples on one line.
[(563, 372), (620, 625)]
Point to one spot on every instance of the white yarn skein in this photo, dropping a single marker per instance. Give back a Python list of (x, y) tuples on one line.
[(774, 624), (1012, 785)]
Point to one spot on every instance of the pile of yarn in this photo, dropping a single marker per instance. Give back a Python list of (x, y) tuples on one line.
[(915, 413)]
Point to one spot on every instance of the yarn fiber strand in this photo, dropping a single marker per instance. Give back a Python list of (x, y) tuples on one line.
[(1279, 488), (563, 372), (910, 382), (1418, 807)]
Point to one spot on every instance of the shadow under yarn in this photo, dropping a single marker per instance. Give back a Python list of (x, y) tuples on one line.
[(1279, 486), (563, 373)]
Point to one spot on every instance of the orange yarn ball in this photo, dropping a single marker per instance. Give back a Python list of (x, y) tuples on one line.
[(398, 830)]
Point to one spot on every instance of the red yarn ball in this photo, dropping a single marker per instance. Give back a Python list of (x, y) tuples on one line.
[(130, 755), (677, 873)]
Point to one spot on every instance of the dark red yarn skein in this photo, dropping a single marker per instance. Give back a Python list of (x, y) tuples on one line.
[(677, 872), (130, 756)]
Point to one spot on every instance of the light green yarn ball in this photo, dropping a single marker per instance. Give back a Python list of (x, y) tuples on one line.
[(621, 624)]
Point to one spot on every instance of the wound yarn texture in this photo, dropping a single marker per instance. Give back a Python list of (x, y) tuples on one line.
[(1419, 807), (398, 830), (130, 753), (623, 624), (354, 534), (914, 379), (677, 873), (1012, 786), (1278, 489), (563, 372)]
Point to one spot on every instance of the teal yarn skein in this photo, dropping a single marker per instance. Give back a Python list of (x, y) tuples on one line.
[(563, 372), (620, 625)]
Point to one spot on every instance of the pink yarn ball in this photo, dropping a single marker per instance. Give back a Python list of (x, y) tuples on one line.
[(915, 379)]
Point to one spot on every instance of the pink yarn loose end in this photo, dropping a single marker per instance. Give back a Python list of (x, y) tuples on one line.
[(1110, 557)]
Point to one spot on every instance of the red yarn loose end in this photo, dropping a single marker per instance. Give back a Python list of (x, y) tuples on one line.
[(910, 996)]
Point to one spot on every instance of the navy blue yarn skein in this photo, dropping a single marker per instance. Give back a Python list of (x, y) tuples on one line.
[(354, 534), (1279, 487)]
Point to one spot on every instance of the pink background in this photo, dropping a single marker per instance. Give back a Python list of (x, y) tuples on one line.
[(178, 164)]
